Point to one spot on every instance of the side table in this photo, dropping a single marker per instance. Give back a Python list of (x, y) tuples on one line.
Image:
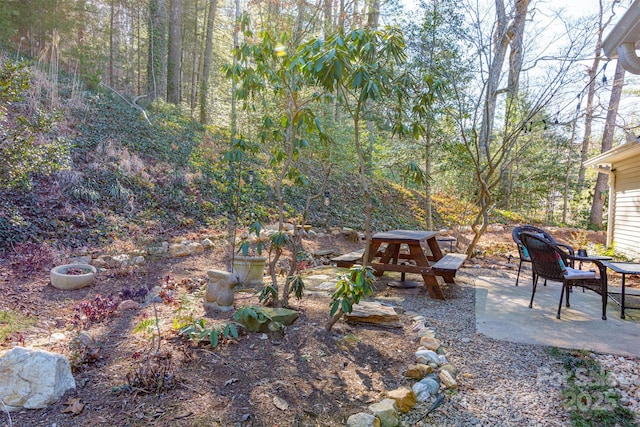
[(624, 300)]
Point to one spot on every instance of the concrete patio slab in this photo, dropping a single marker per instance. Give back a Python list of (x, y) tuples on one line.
[(502, 312)]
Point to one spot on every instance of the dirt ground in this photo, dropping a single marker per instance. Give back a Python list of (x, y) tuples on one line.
[(304, 377)]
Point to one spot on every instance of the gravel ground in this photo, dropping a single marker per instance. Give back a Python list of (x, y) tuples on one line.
[(502, 383)]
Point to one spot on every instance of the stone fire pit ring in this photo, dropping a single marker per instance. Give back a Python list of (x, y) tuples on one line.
[(61, 280)]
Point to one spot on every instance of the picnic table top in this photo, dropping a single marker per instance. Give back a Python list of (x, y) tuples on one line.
[(403, 236)]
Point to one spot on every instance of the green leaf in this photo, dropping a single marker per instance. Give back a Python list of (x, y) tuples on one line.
[(232, 330), (213, 338), (334, 307), (346, 305)]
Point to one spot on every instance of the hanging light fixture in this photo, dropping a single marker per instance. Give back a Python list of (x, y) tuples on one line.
[(327, 200), (250, 177)]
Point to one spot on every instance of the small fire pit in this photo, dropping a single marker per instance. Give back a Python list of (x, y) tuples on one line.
[(72, 276)]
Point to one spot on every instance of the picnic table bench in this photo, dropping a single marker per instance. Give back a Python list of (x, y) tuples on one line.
[(347, 260)]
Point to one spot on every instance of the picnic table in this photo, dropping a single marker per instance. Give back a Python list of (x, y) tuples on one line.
[(409, 251)]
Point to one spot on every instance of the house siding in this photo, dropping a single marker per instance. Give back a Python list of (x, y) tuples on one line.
[(626, 223)]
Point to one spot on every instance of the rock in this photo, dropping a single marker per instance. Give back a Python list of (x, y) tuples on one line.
[(318, 277), (270, 315), (158, 250), (449, 368), (375, 313), (86, 259), (128, 305), (430, 343), (322, 252), (219, 295), (179, 250), (185, 248), (138, 260), (362, 419), (447, 379), (324, 286), (386, 411), (280, 403), (426, 332), (425, 388), (418, 371), (196, 248), (33, 379), (404, 397), (120, 261), (206, 243), (99, 263), (427, 356)]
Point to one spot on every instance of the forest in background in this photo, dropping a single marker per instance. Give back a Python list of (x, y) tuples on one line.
[(138, 114)]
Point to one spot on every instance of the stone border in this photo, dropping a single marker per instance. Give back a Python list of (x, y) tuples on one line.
[(432, 372)]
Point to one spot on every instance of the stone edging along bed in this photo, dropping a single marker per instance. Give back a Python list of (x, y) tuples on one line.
[(432, 372)]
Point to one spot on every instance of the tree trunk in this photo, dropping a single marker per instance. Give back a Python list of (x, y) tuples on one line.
[(588, 118), (138, 52), (236, 30), (607, 142), (175, 51), (299, 29), (341, 14), (206, 70), (567, 174), (427, 182), (157, 49), (364, 180), (193, 99), (486, 161), (328, 18), (374, 14), (112, 14), (233, 221)]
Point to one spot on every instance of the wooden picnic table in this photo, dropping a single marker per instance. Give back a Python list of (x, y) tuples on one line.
[(415, 259)]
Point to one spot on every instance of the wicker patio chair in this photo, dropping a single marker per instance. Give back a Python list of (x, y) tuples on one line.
[(552, 263), (522, 251)]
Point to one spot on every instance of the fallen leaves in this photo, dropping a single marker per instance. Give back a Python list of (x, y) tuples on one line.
[(74, 406)]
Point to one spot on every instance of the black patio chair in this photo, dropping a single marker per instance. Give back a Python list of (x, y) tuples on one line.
[(522, 251), (552, 263)]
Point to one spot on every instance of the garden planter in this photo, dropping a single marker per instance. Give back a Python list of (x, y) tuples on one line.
[(249, 269), (72, 276)]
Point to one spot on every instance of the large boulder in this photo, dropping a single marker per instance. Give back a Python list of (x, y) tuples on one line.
[(375, 313), (32, 378)]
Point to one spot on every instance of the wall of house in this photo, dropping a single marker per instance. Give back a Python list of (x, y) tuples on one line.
[(626, 225)]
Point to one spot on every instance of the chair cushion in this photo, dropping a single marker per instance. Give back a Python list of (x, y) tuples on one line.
[(563, 267), (573, 274), (525, 253)]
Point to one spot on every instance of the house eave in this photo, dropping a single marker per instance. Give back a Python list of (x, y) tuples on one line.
[(624, 38), (608, 158)]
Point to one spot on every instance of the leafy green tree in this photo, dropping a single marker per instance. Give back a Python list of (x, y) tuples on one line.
[(272, 79), (358, 67)]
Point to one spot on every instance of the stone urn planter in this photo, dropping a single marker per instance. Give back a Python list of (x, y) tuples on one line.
[(72, 276), (249, 269)]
